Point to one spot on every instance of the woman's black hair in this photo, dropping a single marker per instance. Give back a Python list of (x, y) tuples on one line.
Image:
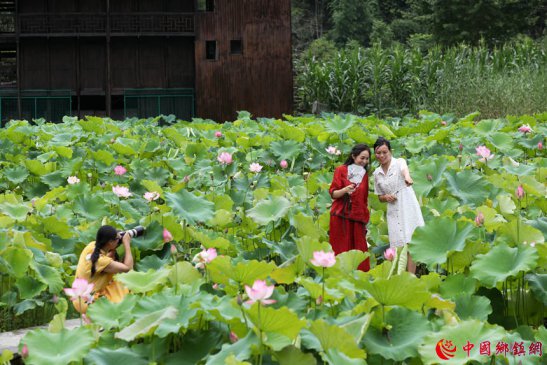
[(356, 151), (381, 141), (104, 235)]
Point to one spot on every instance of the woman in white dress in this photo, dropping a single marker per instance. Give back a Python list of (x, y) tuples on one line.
[(393, 185)]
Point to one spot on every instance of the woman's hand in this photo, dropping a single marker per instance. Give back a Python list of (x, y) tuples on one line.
[(349, 189), (126, 240), (389, 198), (408, 181)]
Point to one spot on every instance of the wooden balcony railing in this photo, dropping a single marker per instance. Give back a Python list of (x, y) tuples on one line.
[(96, 23)]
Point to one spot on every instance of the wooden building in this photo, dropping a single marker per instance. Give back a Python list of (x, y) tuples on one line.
[(124, 58)]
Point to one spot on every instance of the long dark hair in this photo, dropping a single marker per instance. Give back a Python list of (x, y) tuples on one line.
[(380, 142), (104, 235), (356, 151)]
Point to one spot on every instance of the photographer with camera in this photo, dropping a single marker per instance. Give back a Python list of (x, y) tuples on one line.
[(98, 264)]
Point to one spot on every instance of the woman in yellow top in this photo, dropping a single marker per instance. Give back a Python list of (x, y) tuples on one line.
[(97, 265)]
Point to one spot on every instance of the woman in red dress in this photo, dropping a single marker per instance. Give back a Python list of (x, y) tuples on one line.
[(349, 213)]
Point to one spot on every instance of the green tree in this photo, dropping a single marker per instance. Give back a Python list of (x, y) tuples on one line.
[(353, 19)]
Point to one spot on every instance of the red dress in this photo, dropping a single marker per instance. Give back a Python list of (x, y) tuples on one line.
[(349, 216)]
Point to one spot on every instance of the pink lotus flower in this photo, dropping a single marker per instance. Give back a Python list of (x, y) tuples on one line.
[(204, 257), (218, 134), (283, 164), (81, 289), (479, 219), (259, 292), (24, 351), (484, 152), (233, 337), (225, 158), (72, 180), (121, 191), (525, 128), (333, 150), (167, 236), (540, 146), (323, 259), (151, 195), (390, 253), (119, 170), (520, 192), (255, 167)]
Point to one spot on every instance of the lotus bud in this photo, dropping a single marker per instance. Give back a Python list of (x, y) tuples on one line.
[(479, 219), (218, 134), (186, 179), (520, 192), (443, 123), (233, 337), (215, 286), (429, 177), (239, 300), (319, 300), (284, 164), (55, 299), (173, 249), (540, 146), (24, 351), (460, 147), (89, 175)]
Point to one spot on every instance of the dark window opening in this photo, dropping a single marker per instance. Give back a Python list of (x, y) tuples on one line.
[(236, 46), (206, 5), (211, 50)]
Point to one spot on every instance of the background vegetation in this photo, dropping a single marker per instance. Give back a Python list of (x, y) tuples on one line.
[(397, 57)]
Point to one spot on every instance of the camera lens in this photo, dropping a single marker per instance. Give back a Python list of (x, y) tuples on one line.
[(134, 232)]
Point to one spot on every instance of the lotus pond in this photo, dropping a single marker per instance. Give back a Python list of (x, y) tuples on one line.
[(245, 204)]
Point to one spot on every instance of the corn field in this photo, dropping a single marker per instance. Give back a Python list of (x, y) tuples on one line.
[(398, 80)]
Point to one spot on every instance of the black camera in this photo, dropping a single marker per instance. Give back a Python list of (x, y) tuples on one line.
[(134, 232)]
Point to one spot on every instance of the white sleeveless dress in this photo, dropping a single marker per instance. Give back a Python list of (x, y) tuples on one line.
[(403, 215)]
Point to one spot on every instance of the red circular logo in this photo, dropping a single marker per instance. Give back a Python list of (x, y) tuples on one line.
[(445, 349)]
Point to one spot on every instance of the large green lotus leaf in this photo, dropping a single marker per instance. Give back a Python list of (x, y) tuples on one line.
[(305, 226), (281, 321), (146, 323), (533, 187), (222, 218), (333, 337), (421, 173), (291, 355), (16, 174), (152, 239), (518, 232), (538, 285), (29, 287), (356, 327), (473, 306), (112, 315), (488, 126), (348, 261), (17, 260), (184, 273), (90, 207), (339, 123), (473, 331), (469, 187), (404, 290), (269, 210), (49, 275), (190, 207), (506, 204), (285, 149), (502, 262), (106, 356), (159, 302), (433, 243), (125, 146), (503, 142), (53, 225), (455, 285), (142, 282), (195, 346), (53, 179), (17, 211), (332, 292), (248, 271), (64, 347), (38, 168), (406, 331), (242, 350), (336, 357), (520, 169), (460, 261)]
